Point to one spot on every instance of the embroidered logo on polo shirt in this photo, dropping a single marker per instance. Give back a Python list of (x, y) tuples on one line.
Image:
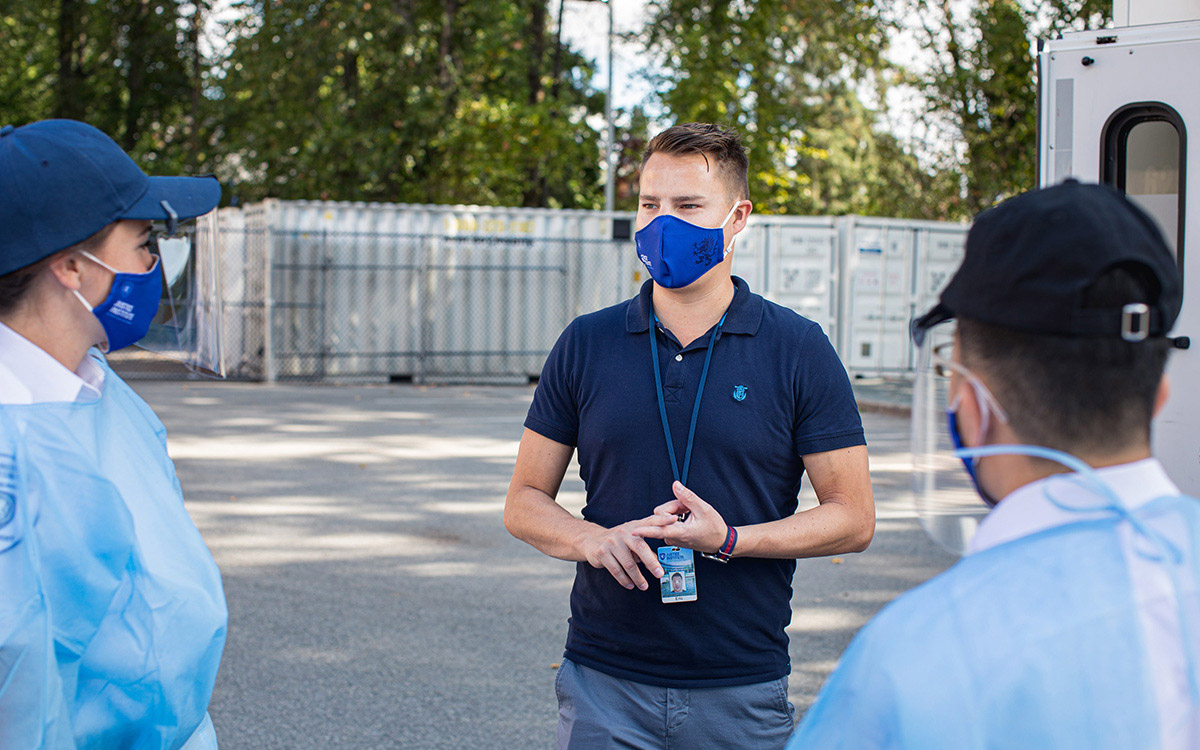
[(739, 393)]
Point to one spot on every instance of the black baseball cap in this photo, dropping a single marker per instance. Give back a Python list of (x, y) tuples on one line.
[(1030, 261)]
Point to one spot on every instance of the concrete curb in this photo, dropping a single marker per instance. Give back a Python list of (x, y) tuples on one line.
[(885, 407)]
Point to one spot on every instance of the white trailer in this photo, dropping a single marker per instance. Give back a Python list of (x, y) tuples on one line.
[(1116, 106)]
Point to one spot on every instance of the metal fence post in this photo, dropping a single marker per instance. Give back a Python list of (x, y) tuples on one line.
[(573, 278), (326, 264), (268, 307), (422, 311)]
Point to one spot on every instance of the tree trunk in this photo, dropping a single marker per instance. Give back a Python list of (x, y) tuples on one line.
[(446, 45), (137, 61), (537, 48), (68, 89), (193, 126), (556, 74), (535, 181), (350, 76)]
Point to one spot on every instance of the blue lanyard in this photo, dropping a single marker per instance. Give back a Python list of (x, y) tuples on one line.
[(662, 404)]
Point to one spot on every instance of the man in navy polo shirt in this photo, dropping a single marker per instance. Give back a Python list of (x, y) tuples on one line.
[(697, 388)]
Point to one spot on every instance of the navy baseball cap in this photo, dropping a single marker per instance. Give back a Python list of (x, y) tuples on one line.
[(1031, 261), (61, 181)]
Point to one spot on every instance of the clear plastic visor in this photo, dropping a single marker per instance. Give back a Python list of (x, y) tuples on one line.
[(188, 326), (947, 504)]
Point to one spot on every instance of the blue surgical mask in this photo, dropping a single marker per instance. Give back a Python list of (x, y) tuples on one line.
[(129, 309), (677, 252)]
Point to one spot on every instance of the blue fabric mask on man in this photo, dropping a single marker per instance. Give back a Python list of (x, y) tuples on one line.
[(129, 309), (677, 252)]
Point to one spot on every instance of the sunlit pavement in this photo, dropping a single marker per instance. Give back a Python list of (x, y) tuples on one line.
[(376, 600)]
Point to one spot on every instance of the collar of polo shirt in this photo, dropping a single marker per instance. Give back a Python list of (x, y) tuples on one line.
[(744, 315)]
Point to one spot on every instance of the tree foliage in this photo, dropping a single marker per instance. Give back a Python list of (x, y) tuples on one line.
[(791, 75), (982, 86), (426, 102), (129, 67), (480, 101)]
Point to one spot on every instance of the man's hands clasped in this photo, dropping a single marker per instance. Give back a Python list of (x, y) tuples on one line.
[(621, 548)]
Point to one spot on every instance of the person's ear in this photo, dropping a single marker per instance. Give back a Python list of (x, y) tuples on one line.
[(67, 269), (1161, 396), (969, 414), (741, 215)]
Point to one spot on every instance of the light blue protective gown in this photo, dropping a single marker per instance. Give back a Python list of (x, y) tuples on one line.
[(112, 616), (1034, 643)]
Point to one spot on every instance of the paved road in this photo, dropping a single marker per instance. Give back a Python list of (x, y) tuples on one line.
[(376, 600)]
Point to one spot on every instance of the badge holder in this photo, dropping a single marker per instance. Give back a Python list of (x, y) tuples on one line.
[(678, 582)]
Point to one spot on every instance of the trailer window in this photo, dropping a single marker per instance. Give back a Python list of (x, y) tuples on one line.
[(1152, 172), (1144, 156)]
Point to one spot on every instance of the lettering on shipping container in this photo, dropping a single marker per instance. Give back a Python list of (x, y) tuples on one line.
[(455, 224)]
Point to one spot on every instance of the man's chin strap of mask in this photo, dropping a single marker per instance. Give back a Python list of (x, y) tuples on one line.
[(1164, 551)]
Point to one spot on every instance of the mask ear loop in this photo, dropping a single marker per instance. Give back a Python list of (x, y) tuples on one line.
[(728, 216), (987, 402), (90, 307), (97, 261)]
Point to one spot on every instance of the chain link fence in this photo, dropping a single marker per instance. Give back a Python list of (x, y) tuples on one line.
[(333, 305), (426, 295)]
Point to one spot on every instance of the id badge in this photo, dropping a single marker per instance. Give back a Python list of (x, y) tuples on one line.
[(678, 582)]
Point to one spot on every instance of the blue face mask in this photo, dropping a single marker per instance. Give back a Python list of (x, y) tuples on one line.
[(970, 462), (129, 309), (677, 252)]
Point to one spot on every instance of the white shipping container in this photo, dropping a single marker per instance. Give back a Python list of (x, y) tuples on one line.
[(876, 265), (428, 291), (464, 292), (891, 270), (939, 253), (801, 265)]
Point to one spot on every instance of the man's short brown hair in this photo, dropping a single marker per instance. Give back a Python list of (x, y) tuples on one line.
[(724, 146)]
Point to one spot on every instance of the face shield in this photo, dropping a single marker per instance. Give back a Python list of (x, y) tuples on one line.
[(188, 325), (948, 504)]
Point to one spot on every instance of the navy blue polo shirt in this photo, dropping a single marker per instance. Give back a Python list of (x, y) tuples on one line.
[(597, 393)]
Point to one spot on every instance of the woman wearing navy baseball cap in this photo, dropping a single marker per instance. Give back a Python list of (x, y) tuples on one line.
[(112, 616)]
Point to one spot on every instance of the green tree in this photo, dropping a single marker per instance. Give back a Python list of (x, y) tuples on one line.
[(982, 85), (27, 61), (409, 100), (129, 67), (631, 140), (787, 74)]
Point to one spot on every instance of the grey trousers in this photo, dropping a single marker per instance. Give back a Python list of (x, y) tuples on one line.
[(596, 710)]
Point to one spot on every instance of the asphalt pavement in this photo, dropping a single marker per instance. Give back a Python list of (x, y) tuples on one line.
[(376, 600)]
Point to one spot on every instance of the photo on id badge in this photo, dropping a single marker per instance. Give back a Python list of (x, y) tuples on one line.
[(678, 582)]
